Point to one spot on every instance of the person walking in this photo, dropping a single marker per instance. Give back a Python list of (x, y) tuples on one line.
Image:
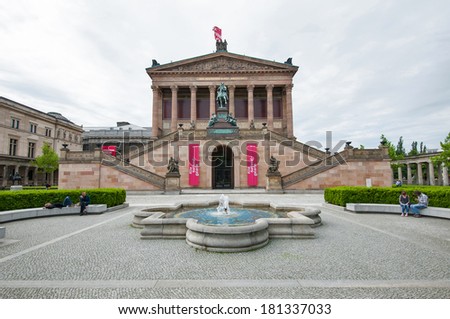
[(404, 203)]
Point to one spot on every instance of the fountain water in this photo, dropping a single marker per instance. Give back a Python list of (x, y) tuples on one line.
[(224, 206)]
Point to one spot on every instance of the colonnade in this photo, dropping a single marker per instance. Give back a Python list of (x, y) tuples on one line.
[(157, 102), (24, 171), (419, 177)]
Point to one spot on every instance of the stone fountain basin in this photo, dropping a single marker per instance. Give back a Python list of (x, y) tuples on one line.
[(227, 238), (299, 223)]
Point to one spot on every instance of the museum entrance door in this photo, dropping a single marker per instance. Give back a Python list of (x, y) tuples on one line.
[(222, 168)]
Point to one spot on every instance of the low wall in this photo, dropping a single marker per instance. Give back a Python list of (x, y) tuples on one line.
[(12, 215)]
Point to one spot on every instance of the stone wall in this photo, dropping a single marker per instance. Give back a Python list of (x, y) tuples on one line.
[(353, 173), (93, 175)]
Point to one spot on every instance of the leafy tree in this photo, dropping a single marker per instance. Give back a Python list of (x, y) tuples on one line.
[(413, 150), (361, 147), (385, 142), (400, 150), (48, 162), (444, 156)]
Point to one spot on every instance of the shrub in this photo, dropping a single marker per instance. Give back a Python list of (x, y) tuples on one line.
[(10, 200), (438, 196)]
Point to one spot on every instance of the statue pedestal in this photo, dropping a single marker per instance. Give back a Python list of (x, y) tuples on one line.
[(273, 183), (172, 183), (16, 187)]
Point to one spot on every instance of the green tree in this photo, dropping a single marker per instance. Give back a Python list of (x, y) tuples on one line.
[(413, 150), (385, 142), (444, 156), (400, 150), (48, 162)]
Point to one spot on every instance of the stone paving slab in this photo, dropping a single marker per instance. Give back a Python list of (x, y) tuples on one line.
[(102, 256)]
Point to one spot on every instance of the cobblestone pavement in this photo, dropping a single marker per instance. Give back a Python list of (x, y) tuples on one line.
[(102, 256)]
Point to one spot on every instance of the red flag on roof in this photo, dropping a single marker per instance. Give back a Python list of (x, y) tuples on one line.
[(217, 33)]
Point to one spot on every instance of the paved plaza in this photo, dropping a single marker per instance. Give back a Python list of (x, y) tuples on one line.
[(102, 256)]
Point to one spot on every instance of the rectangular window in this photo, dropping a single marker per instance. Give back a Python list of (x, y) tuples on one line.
[(184, 104), (260, 103), (13, 147), (31, 148), (166, 104), (241, 103), (48, 132), (277, 103), (203, 103), (15, 123), (33, 128)]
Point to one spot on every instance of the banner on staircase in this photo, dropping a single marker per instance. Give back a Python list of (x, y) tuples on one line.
[(252, 164), (194, 164)]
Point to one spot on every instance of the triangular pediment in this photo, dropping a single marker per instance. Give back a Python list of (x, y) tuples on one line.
[(222, 62)]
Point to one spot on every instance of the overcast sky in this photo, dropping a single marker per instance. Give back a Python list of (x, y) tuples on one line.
[(366, 68)]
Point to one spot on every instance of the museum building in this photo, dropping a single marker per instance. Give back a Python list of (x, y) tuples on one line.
[(223, 121)]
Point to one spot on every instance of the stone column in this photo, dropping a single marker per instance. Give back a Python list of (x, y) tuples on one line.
[(231, 109), (251, 106), (269, 89), (157, 114), (212, 99), (399, 170), (173, 123), (5, 175), (431, 173), (193, 103), (237, 169), (419, 174), (289, 118), (35, 176), (439, 167), (408, 173), (444, 175), (25, 177)]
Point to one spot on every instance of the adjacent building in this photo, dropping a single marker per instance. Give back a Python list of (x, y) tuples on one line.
[(23, 132)]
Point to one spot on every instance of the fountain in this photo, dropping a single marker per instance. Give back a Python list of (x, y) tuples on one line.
[(230, 226), (224, 206)]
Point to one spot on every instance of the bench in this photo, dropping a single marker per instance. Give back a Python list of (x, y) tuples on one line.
[(11, 215), (396, 209)]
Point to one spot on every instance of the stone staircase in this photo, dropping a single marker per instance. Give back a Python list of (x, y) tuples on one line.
[(135, 171), (294, 144), (315, 168)]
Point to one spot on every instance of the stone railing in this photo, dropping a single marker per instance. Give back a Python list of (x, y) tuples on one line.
[(314, 169), (134, 171), (154, 145)]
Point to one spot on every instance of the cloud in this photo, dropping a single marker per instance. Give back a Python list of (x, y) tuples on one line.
[(366, 68)]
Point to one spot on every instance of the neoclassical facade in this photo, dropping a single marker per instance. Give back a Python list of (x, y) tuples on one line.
[(201, 142), (23, 131), (260, 91)]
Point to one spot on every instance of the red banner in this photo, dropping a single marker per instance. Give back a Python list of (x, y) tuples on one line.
[(217, 33), (252, 165), (194, 164), (111, 150)]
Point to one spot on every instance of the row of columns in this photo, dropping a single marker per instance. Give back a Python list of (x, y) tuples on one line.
[(23, 173), (442, 175), (157, 109)]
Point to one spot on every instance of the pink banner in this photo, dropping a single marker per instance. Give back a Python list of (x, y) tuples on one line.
[(194, 164), (252, 165)]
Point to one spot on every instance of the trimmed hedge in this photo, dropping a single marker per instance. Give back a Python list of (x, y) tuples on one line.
[(10, 200), (438, 196)]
